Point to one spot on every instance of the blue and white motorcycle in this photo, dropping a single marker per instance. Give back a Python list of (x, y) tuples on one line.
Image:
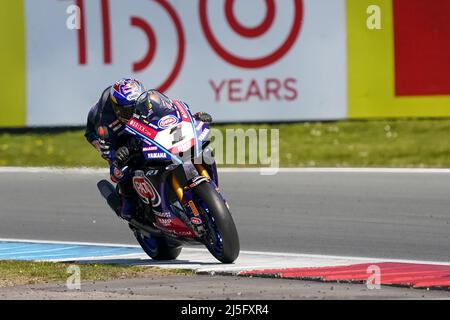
[(175, 178)]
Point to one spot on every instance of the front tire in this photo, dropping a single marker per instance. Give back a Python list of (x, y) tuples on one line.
[(225, 247)]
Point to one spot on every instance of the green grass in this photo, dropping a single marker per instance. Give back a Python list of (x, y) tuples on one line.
[(14, 273), (387, 143)]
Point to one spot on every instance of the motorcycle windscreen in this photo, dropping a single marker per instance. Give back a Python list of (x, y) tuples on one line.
[(173, 134), (153, 105)]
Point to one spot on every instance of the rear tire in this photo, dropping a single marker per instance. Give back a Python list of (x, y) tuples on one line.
[(223, 221), (158, 248)]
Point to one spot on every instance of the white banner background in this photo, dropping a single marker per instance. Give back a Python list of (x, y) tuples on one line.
[(312, 74)]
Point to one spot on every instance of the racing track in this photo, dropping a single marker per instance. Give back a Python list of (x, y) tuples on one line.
[(300, 218), (363, 214)]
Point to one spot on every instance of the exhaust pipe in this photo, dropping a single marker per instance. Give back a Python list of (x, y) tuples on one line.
[(108, 192)]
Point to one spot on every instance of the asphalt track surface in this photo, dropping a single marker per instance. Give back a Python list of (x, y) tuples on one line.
[(207, 287), (363, 214)]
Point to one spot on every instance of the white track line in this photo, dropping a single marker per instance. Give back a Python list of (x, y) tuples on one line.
[(247, 260), (75, 243), (53, 170), (338, 170), (57, 170)]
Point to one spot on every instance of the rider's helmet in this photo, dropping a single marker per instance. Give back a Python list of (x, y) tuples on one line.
[(124, 94)]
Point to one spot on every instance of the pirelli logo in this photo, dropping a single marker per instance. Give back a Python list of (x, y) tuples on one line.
[(193, 208)]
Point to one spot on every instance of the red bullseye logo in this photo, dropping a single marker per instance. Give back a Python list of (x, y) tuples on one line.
[(251, 32), (143, 26), (148, 31)]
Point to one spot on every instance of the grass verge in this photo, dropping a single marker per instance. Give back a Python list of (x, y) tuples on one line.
[(377, 143), (13, 273)]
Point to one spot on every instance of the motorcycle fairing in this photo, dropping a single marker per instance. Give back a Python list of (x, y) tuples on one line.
[(160, 144), (165, 219), (167, 141)]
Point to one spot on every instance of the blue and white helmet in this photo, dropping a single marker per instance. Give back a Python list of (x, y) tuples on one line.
[(124, 94)]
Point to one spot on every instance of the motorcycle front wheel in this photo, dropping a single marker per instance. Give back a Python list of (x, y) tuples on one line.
[(221, 239)]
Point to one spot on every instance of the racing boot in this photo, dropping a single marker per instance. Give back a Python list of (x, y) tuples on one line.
[(128, 199), (128, 207)]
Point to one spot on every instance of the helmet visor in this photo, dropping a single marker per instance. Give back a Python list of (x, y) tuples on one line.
[(125, 112)]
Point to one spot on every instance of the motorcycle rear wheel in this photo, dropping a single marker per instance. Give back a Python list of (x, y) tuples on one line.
[(158, 248)]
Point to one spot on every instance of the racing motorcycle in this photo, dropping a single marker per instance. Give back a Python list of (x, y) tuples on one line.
[(176, 182)]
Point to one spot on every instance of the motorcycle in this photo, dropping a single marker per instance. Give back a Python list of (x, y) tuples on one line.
[(175, 178)]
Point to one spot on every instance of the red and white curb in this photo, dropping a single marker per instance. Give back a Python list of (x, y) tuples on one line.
[(415, 274), (388, 273)]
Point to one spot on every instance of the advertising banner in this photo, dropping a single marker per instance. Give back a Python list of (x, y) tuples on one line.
[(241, 61), (12, 64), (403, 68)]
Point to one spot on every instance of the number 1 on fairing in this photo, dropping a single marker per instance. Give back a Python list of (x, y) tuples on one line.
[(177, 135)]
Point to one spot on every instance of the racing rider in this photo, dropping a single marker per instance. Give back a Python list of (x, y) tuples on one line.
[(105, 130)]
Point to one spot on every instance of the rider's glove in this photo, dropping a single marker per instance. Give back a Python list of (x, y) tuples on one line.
[(122, 155), (96, 144), (203, 116), (106, 150)]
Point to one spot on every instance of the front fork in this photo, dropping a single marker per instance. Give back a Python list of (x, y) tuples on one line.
[(185, 178), (179, 189)]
